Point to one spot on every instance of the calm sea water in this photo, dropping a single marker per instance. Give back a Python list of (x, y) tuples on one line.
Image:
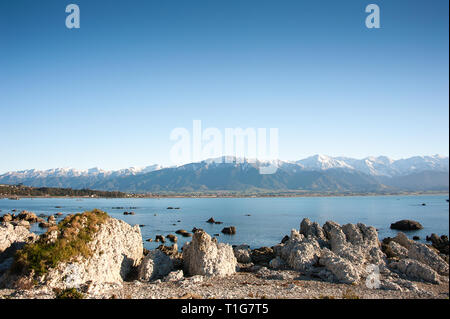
[(270, 218)]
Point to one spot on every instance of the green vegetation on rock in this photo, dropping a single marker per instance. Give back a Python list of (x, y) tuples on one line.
[(71, 293), (61, 243)]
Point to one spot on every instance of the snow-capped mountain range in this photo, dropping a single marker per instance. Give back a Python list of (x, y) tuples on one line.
[(375, 166), (72, 172), (318, 173), (378, 166)]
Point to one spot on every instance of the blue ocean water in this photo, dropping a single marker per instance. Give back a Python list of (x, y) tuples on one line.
[(270, 218)]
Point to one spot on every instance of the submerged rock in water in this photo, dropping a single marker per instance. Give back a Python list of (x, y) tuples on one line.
[(406, 224), (172, 238), (229, 230), (204, 256), (183, 233)]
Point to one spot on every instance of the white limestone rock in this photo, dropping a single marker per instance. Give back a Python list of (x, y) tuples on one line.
[(242, 254), (155, 265), (204, 256), (416, 270), (116, 248), (341, 268), (10, 234)]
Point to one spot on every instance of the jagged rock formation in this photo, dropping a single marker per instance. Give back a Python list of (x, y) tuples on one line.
[(351, 253), (204, 256), (332, 251)]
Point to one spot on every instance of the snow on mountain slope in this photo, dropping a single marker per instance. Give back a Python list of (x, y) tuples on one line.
[(71, 172), (378, 166), (321, 162), (374, 166)]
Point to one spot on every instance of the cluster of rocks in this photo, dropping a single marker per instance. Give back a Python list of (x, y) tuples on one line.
[(24, 218), (229, 230), (352, 254), (349, 254)]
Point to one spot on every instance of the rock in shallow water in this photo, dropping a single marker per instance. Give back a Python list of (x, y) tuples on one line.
[(406, 224)]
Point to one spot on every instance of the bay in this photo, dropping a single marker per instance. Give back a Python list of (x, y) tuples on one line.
[(259, 221)]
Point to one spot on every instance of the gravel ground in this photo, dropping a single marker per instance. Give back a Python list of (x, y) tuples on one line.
[(248, 286)]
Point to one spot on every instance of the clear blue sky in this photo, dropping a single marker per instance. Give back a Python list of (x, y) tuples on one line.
[(110, 93)]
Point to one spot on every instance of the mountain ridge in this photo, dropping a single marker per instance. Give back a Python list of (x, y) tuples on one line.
[(318, 173)]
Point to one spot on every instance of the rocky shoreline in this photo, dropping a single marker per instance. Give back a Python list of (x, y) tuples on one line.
[(92, 255)]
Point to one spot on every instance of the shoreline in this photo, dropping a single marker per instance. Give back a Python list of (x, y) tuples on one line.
[(160, 196)]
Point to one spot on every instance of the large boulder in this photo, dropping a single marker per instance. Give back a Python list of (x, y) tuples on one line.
[(155, 265), (88, 248), (341, 268), (406, 224), (28, 216), (6, 218), (299, 252), (204, 256), (242, 254), (262, 255)]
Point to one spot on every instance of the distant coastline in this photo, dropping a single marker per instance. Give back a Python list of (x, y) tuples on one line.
[(15, 192)]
